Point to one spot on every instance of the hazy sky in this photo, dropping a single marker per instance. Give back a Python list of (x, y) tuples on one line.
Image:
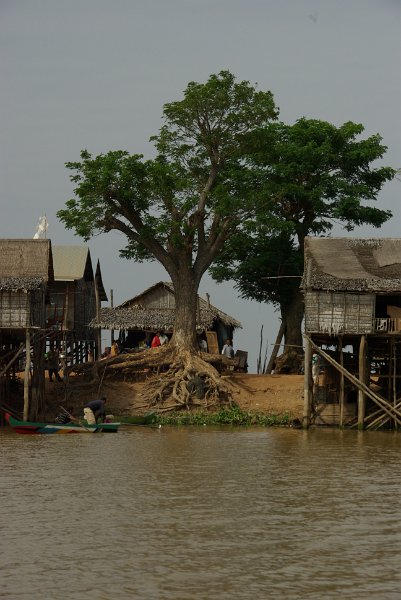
[(95, 74)]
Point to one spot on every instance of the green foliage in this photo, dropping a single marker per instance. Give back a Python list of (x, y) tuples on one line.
[(227, 416), (309, 176), (209, 124), (252, 260), (180, 207), (313, 173), (229, 179)]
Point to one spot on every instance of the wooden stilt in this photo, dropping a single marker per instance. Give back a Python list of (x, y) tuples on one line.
[(382, 419), (14, 358), (307, 385), (342, 385), (276, 348), (98, 332), (111, 306), (27, 374), (394, 378), (362, 378), (387, 407)]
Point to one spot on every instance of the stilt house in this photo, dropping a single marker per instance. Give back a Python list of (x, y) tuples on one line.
[(75, 300), (26, 271), (352, 292), (140, 317)]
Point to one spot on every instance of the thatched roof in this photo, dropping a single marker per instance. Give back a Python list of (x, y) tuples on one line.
[(350, 264), (25, 264), (72, 263), (134, 314)]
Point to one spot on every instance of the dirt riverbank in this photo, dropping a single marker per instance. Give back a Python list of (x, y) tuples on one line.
[(266, 394)]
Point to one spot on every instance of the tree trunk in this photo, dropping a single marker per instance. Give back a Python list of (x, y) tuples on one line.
[(186, 294), (292, 314)]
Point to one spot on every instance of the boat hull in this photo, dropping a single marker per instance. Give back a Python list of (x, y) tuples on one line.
[(32, 428)]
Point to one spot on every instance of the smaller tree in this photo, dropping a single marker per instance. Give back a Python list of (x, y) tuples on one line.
[(310, 175)]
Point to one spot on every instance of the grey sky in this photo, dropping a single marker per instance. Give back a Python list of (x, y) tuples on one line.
[(95, 74)]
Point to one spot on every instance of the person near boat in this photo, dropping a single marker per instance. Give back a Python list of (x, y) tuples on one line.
[(95, 410), (66, 416), (53, 364)]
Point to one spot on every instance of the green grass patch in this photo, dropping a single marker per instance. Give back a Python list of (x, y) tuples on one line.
[(227, 416)]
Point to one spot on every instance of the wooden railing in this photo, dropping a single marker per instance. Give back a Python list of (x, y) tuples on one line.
[(387, 325)]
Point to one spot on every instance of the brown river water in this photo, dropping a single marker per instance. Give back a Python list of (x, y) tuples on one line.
[(201, 514)]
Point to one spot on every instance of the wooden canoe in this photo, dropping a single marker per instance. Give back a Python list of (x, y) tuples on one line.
[(28, 427)]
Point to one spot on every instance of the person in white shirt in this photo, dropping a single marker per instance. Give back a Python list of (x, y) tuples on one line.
[(202, 344), (228, 350), (163, 338)]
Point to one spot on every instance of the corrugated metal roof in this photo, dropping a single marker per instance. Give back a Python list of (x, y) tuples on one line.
[(99, 282), (72, 263)]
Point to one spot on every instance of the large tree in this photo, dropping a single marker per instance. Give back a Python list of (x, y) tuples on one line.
[(309, 176), (181, 207)]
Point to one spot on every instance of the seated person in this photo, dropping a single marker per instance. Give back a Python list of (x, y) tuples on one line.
[(106, 353), (156, 340), (163, 338), (202, 344), (66, 416), (114, 350)]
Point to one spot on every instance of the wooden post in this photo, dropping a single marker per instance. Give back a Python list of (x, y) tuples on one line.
[(394, 356), (362, 379), (342, 386), (26, 375), (379, 400), (14, 358), (276, 348), (111, 306), (98, 332), (307, 385)]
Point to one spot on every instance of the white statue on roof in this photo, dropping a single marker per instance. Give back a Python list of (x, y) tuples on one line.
[(41, 228)]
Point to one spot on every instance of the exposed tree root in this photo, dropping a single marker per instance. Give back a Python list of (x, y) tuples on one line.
[(175, 379), (291, 361)]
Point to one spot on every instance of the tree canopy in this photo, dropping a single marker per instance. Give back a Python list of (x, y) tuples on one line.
[(232, 188), (180, 207), (309, 176)]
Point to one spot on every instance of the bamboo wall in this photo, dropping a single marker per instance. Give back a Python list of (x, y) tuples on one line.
[(21, 309), (338, 312), (14, 309)]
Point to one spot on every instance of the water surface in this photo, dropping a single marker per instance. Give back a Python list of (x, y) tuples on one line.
[(201, 513)]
